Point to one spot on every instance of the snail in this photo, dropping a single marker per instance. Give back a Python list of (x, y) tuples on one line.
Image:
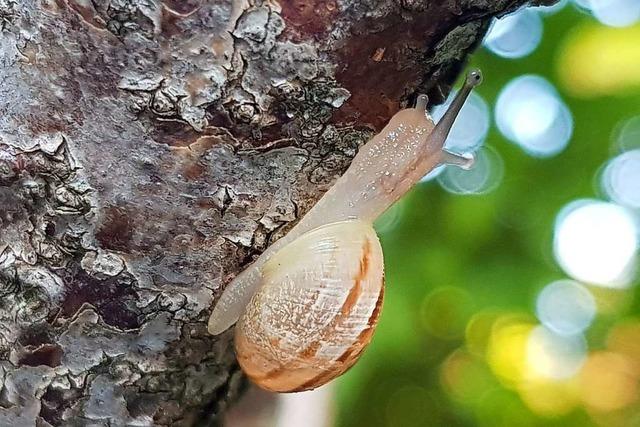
[(308, 306)]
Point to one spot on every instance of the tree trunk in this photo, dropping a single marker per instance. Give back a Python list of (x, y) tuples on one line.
[(149, 149)]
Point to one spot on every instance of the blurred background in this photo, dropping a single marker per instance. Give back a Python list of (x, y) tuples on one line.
[(511, 297)]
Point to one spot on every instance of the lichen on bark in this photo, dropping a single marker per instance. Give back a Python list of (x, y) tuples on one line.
[(149, 149)]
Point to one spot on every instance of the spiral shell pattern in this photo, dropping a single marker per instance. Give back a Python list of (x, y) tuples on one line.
[(316, 309)]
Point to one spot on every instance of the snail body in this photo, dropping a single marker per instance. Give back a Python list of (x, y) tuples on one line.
[(308, 306)]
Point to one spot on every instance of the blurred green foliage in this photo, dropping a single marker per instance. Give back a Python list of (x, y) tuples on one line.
[(449, 257)]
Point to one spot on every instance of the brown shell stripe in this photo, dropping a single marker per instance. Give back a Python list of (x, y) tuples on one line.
[(353, 351), (351, 300), (366, 333)]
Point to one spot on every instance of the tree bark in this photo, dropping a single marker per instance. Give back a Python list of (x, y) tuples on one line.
[(149, 149)]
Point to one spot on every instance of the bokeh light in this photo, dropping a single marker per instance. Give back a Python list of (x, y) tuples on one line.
[(596, 60), (484, 176), (596, 242), (628, 135), (471, 126), (624, 338), (469, 131), (621, 179), (464, 376), (530, 113), (615, 13), (608, 381), (550, 398), (555, 356), (507, 351), (515, 35), (478, 331), (566, 307), (445, 312)]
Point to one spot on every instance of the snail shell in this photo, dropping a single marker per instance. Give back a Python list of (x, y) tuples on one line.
[(316, 309)]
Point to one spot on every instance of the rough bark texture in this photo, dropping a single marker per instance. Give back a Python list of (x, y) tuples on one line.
[(149, 149)]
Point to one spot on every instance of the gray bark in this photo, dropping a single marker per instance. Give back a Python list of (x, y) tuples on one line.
[(149, 149)]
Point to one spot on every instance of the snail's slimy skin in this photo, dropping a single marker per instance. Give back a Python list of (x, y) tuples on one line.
[(310, 302)]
